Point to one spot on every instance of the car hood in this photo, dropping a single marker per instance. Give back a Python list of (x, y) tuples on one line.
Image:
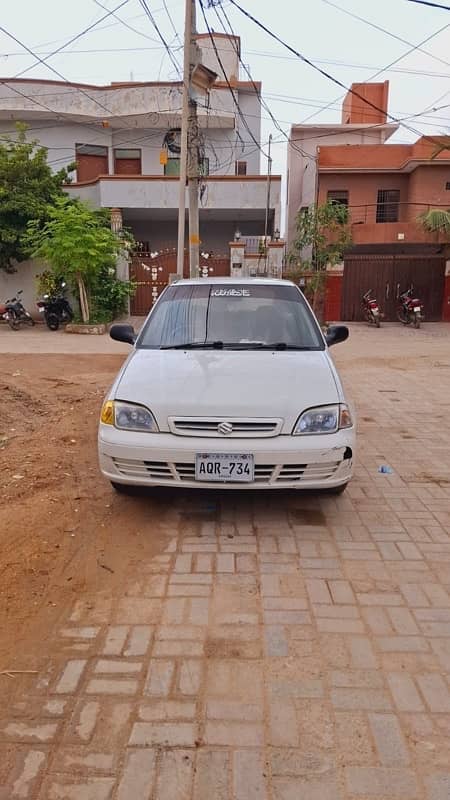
[(228, 383)]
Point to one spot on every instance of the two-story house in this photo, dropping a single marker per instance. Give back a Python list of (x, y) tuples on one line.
[(386, 188), (125, 140)]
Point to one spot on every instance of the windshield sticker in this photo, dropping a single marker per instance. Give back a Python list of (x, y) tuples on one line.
[(230, 293)]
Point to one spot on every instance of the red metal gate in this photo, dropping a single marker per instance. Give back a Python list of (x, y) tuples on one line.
[(387, 276), (151, 272)]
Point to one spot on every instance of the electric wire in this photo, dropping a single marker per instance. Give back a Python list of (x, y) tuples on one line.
[(330, 77), (387, 32), (74, 38), (232, 40), (172, 58), (127, 24), (236, 103), (433, 5)]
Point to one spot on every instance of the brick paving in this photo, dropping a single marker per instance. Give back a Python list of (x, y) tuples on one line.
[(281, 647)]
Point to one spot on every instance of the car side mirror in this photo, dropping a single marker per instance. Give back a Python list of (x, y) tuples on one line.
[(123, 333), (336, 334)]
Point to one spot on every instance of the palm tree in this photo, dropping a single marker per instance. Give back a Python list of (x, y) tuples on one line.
[(436, 220)]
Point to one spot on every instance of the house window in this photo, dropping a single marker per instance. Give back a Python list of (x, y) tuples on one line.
[(387, 205), (172, 168), (447, 186), (338, 197), (92, 161), (241, 168), (127, 161)]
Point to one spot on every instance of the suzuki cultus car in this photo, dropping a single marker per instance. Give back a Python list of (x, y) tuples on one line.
[(229, 384)]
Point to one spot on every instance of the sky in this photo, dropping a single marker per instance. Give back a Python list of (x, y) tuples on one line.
[(324, 31)]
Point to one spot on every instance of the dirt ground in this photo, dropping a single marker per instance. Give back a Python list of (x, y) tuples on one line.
[(56, 540), (265, 645)]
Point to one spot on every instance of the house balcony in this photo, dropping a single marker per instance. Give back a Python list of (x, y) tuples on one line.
[(236, 198), (374, 224)]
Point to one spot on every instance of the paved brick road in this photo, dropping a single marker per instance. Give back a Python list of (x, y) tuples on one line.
[(280, 647)]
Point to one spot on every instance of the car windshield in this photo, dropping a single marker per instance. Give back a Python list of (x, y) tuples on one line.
[(231, 316)]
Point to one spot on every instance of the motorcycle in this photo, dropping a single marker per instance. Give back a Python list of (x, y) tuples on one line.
[(56, 309), (410, 309), (371, 309), (14, 312)]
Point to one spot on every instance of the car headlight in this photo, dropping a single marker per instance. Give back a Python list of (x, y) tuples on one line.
[(324, 419), (128, 416)]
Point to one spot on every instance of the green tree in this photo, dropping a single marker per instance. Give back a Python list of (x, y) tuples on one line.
[(77, 242), (27, 188), (326, 230), (436, 220)]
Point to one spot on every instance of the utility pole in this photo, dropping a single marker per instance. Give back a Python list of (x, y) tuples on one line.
[(269, 179), (184, 138), (193, 143), (189, 166), (196, 77)]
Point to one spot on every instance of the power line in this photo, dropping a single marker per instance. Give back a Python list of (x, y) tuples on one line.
[(127, 25), (105, 27), (52, 69), (74, 38), (433, 5), (327, 74), (412, 49), (262, 53), (363, 129), (166, 46), (232, 40), (387, 32), (177, 35), (338, 63), (236, 103)]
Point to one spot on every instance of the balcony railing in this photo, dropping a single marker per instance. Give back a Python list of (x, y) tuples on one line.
[(256, 245), (389, 212)]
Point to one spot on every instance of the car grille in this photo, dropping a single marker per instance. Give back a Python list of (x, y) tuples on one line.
[(264, 473), (242, 428)]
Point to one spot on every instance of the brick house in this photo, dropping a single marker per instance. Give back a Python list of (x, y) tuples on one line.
[(385, 188)]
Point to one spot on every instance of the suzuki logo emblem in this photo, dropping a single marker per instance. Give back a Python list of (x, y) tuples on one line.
[(225, 428)]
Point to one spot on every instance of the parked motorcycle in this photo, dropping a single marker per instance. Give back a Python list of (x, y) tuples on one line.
[(56, 309), (371, 309), (410, 309), (14, 312)]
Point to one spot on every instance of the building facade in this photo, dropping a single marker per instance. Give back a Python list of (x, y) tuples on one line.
[(386, 189), (360, 124), (125, 141)]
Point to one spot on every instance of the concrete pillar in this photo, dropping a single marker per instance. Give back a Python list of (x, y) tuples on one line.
[(237, 259), (275, 259), (333, 292), (116, 220)]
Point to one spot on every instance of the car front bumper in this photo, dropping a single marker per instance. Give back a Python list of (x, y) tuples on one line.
[(281, 462)]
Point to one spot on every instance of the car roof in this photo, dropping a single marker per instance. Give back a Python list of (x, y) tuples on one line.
[(235, 281)]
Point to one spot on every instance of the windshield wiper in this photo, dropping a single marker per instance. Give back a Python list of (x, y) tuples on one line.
[(219, 345), (277, 346), (193, 346)]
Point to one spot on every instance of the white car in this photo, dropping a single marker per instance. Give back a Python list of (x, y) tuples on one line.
[(229, 384)]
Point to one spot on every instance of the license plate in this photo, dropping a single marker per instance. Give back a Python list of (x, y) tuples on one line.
[(416, 309), (219, 467)]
